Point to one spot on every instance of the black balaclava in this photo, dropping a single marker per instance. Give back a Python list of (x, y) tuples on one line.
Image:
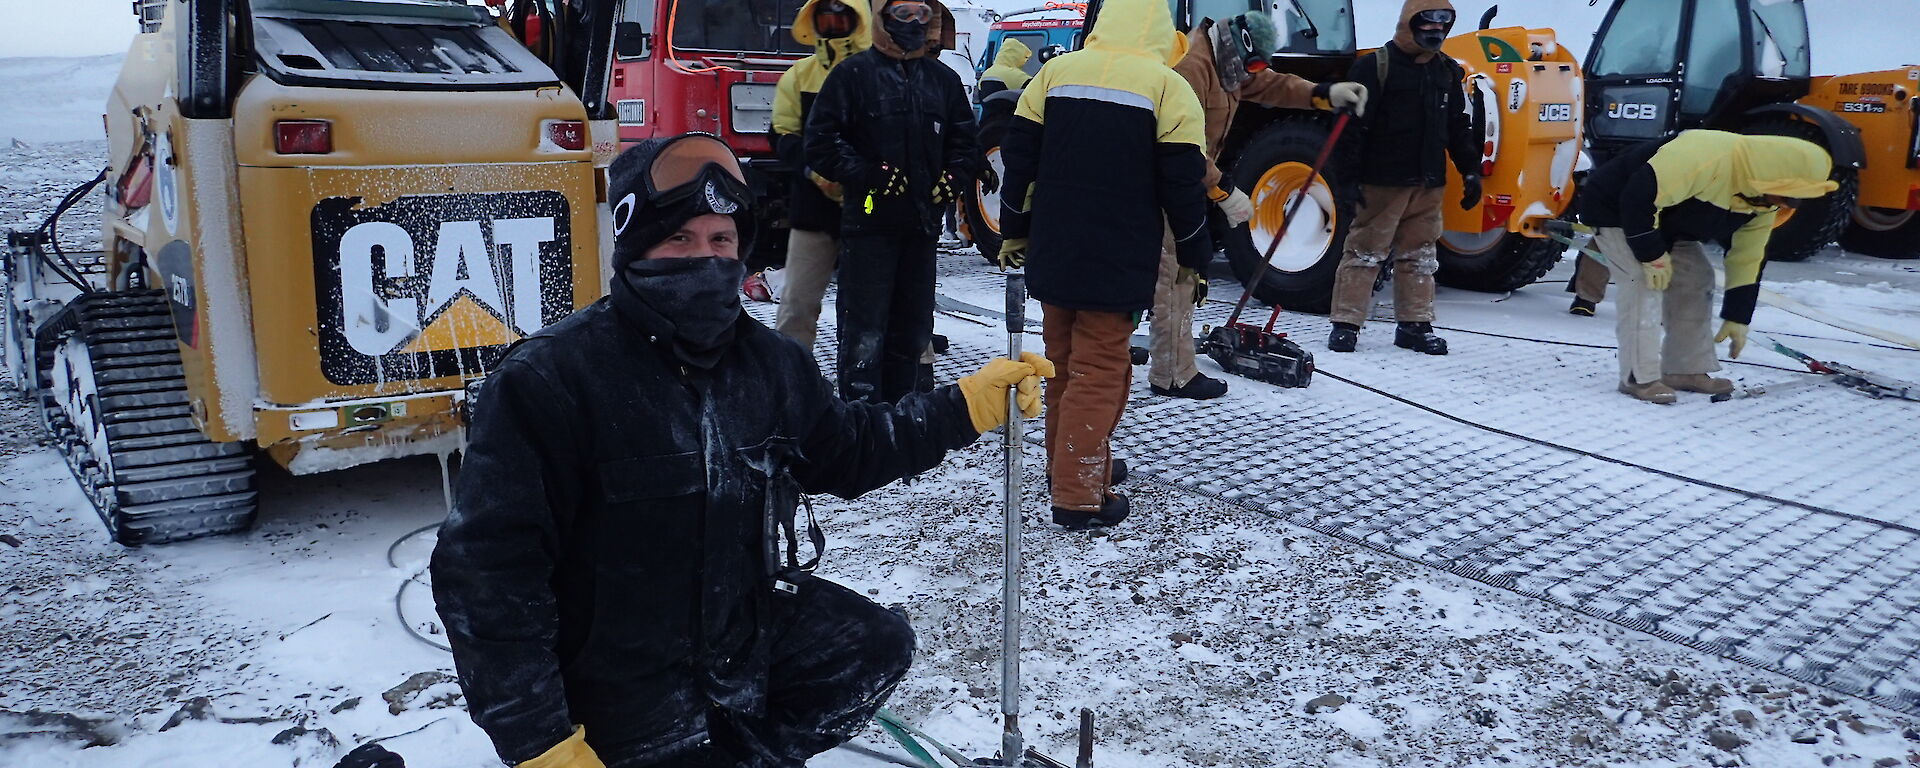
[(691, 304), (909, 35), (1432, 39)]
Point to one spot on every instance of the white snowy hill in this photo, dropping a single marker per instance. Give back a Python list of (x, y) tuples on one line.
[(55, 99)]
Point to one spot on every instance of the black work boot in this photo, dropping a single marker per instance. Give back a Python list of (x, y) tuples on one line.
[(1581, 307), (1202, 387), (1139, 355), (1419, 338), (923, 378), (1112, 511), (1344, 337)]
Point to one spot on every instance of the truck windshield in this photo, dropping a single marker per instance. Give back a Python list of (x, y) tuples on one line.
[(743, 26)]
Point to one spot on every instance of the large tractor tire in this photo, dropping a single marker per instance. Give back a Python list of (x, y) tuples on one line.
[(1497, 261), (1802, 233), (981, 212), (1883, 232), (1273, 168)]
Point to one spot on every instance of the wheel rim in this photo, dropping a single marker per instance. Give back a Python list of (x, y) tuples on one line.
[(988, 203), (78, 397), (1306, 243), (1881, 219), (1470, 243)]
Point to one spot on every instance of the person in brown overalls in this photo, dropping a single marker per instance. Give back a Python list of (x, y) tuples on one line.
[(1416, 121), (1226, 63)]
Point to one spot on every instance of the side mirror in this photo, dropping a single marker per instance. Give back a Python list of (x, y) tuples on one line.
[(630, 40)]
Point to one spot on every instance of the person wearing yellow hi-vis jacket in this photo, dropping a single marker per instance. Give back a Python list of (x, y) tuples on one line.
[(1653, 206), (836, 30), (1007, 73), (1107, 144)]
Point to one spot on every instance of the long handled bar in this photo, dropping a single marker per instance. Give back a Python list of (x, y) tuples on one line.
[(1286, 223), (1012, 743)]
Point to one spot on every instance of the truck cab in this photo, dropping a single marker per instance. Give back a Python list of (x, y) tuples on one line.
[(709, 66)]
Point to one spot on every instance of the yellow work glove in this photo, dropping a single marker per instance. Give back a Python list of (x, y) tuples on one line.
[(571, 753), (1735, 331), (829, 188), (986, 389), (1659, 272), (1197, 280), (1013, 253)]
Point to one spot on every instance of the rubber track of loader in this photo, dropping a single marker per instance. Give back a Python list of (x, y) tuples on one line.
[(167, 481)]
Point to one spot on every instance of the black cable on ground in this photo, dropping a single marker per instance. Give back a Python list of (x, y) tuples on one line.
[(414, 579), (1584, 345), (1621, 462)]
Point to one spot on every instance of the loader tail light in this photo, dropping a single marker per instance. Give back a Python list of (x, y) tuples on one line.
[(303, 137), (565, 134)]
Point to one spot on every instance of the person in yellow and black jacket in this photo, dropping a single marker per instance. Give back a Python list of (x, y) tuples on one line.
[(1106, 148), (892, 126), (1226, 63), (1653, 206), (1416, 123), (1007, 73), (837, 30)]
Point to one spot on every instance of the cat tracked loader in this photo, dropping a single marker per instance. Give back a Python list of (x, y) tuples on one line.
[(324, 221)]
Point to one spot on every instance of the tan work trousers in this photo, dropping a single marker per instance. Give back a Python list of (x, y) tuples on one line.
[(810, 260), (1662, 332), (811, 257), (1590, 279), (1170, 364), (1398, 223), (1084, 402)]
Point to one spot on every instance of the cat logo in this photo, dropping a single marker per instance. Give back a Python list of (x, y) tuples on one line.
[(431, 286), (1619, 111)]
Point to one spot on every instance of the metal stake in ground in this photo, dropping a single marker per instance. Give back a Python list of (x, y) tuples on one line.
[(1012, 743)]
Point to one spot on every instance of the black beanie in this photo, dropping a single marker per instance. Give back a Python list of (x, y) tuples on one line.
[(640, 221)]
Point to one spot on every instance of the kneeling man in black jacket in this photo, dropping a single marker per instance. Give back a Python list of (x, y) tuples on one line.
[(611, 576)]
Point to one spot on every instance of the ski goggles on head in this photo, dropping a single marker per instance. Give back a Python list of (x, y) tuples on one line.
[(909, 12), (1442, 17), (695, 168)]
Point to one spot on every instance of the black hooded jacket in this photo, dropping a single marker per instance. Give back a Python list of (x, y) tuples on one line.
[(605, 563), (909, 113), (1414, 124)]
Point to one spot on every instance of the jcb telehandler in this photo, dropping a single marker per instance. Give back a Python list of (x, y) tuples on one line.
[(1659, 67), (324, 221)]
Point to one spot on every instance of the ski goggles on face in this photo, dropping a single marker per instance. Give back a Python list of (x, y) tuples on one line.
[(1441, 17), (833, 20), (908, 12)]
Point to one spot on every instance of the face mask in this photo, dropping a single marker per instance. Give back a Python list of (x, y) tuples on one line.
[(911, 36), (1432, 39), (1229, 56), (693, 302)]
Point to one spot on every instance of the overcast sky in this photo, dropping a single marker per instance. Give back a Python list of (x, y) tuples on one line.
[(1848, 35)]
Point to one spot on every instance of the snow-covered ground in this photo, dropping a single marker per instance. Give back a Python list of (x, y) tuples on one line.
[(1212, 629)]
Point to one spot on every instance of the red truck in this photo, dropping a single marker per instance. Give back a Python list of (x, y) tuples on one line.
[(710, 65)]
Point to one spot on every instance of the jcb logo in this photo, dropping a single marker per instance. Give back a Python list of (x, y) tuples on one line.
[(1556, 113), (432, 286), (1619, 111)]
